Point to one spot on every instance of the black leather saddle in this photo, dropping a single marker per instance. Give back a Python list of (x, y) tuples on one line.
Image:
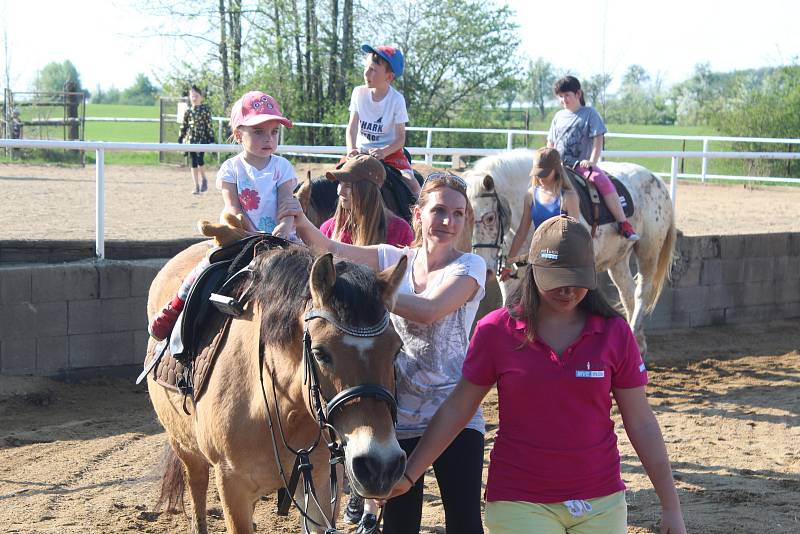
[(211, 291), (593, 208)]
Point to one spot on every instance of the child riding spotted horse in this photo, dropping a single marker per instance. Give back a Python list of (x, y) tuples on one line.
[(577, 132)]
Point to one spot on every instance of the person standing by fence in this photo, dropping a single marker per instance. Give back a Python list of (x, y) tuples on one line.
[(196, 129)]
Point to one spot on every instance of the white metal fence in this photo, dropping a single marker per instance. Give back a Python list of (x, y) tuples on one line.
[(100, 148), (429, 150)]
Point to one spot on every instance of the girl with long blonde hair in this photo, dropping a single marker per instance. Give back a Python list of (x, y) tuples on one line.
[(361, 218)]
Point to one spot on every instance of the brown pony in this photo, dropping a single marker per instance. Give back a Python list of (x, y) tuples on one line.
[(228, 428)]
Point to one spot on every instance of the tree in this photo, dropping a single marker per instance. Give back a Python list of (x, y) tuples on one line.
[(696, 99), (7, 59), (214, 27), (454, 49), (770, 110), (305, 54), (641, 101), (635, 76), (508, 90), (595, 91), (141, 93), (541, 76), (53, 77), (306, 60)]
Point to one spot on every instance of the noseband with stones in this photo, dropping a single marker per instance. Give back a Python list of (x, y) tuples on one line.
[(323, 414)]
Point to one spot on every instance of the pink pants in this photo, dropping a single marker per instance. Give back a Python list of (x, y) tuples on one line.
[(598, 178)]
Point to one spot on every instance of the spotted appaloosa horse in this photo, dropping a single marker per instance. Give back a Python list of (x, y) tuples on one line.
[(311, 329), (497, 186)]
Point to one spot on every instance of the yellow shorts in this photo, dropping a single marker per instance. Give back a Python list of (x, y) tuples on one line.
[(609, 515)]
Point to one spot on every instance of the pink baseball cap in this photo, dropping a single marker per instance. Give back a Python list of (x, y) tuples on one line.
[(254, 108)]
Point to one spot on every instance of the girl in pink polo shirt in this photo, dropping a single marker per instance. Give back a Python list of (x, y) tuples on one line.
[(557, 353)]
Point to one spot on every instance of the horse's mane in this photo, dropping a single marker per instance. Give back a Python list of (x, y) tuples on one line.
[(511, 165), (323, 196), (280, 288)]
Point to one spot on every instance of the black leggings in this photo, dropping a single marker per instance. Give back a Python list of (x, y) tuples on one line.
[(458, 472), (197, 159)]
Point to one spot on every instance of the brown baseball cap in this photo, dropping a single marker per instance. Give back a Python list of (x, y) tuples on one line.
[(562, 255), (545, 160), (361, 167)]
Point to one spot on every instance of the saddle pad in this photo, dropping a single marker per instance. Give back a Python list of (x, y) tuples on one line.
[(169, 370), (247, 247), (197, 310), (581, 186)]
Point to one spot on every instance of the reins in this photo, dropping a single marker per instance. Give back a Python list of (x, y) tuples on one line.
[(323, 413)]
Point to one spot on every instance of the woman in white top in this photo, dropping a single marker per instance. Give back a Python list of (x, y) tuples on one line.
[(433, 313)]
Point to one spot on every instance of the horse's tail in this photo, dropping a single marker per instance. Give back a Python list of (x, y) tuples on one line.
[(173, 482), (664, 266)]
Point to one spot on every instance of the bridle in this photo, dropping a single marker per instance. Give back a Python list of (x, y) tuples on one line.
[(323, 414), (500, 236)]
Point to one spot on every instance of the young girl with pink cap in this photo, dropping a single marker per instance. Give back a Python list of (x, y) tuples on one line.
[(256, 184)]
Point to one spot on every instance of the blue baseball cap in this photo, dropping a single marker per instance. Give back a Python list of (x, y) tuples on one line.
[(393, 56)]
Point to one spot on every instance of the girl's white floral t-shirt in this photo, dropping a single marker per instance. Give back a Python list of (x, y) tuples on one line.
[(258, 188)]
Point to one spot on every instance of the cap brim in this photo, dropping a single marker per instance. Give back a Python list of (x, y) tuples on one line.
[(339, 176), (549, 278), (262, 118), (367, 49)]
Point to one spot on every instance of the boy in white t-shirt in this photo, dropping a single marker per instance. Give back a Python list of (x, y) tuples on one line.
[(378, 114)]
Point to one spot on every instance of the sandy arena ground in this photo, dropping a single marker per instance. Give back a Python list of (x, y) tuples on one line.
[(156, 203), (77, 458)]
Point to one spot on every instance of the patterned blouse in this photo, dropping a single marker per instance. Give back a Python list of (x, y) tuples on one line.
[(197, 123)]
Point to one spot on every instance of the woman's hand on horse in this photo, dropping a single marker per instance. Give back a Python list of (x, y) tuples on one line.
[(401, 487), (354, 152), (585, 163)]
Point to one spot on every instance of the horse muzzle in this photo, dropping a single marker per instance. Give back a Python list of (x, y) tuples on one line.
[(373, 467)]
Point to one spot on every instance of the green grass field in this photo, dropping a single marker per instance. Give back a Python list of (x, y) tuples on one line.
[(142, 132)]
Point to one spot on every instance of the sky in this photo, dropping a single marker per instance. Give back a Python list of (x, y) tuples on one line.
[(668, 37), (110, 42)]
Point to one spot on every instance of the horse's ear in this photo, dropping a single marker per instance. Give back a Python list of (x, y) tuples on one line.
[(390, 279), (488, 183), (303, 192), (323, 277)]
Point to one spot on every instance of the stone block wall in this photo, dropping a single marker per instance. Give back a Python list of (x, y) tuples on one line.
[(731, 279), (55, 319)]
